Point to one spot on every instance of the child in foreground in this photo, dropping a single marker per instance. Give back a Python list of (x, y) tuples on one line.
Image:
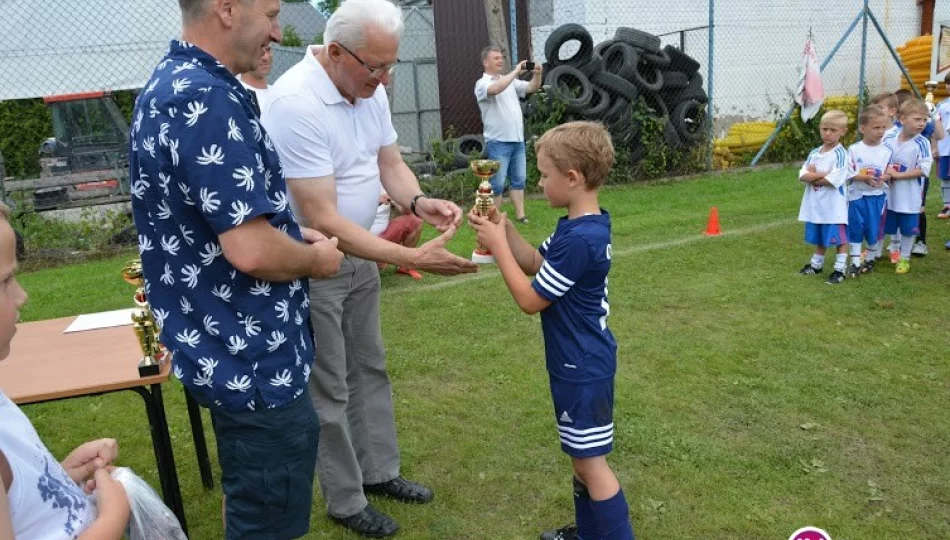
[(824, 206), (39, 496), (570, 292)]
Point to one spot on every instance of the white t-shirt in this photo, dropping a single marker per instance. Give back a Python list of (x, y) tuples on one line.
[(45, 503), (866, 160), (826, 204), (501, 113), (906, 196), (318, 133), (943, 110), (263, 94)]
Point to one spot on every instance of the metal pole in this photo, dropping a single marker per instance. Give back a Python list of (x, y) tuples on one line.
[(862, 83), (791, 109), (513, 18), (710, 70), (897, 57)]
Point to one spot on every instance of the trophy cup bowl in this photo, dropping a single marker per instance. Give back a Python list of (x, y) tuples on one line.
[(483, 169), (132, 272)]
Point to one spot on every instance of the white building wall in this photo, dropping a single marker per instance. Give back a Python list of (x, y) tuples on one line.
[(758, 44)]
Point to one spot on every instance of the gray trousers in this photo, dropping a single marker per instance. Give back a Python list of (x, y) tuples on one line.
[(350, 388)]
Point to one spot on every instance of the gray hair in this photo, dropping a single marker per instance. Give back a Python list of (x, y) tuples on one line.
[(488, 50), (349, 22)]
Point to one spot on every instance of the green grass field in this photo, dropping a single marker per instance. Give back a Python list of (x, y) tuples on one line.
[(750, 401)]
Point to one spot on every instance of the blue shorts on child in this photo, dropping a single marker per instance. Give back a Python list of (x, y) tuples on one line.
[(905, 223), (866, 219), (943, 168), (584, 413), (826, 234)]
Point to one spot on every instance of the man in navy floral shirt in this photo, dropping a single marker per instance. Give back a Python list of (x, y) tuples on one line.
[(225, 262)]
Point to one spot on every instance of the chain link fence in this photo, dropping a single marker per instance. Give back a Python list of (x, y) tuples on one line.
[(682, 86)]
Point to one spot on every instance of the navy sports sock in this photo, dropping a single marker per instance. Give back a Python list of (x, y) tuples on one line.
[(584, 518), (922, 237), (613, 518)]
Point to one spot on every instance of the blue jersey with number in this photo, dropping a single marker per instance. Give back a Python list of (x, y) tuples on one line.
[(578, 344)]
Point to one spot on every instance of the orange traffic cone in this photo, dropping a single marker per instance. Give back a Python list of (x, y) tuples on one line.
[(712, 227)]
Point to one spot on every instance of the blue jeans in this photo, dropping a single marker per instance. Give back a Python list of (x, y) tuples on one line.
[(513, 164), (267, 459)]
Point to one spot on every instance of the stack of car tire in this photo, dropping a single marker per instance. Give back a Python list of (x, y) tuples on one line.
[(605, 82)]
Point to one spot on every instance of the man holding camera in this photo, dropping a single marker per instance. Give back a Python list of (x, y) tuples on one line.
[(498, 97)]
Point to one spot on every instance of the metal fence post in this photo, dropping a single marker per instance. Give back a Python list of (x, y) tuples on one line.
[(862, 82), (710, 70), (513, 19)]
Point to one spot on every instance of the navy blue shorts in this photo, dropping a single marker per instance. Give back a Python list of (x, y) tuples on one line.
[(826, 234), (866, 219), (585, 416), (908, 224), (943, 168), (267, 459)]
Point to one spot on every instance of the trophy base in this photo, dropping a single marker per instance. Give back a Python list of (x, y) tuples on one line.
[(148, 367), (483, 258)]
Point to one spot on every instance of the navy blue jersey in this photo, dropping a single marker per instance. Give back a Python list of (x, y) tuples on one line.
[(578, 345)]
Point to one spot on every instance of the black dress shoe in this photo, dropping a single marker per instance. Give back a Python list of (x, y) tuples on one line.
[(369, 522), (401, 489)]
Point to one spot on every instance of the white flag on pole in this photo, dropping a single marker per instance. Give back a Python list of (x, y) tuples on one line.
[(811, 92)]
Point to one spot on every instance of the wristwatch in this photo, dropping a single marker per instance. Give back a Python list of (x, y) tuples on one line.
[(412, 204)]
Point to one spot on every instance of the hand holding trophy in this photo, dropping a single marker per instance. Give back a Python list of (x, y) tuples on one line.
[(484, 169), (154, 354)]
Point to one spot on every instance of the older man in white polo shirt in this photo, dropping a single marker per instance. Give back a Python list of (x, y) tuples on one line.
[(330, 121), (497, 96)]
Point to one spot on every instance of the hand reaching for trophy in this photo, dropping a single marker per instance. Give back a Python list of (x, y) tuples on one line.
[(433, 257)]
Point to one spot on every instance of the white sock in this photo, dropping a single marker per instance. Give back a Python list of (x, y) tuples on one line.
[(856, 254), (841, 261), (895, 242), (907, 243), (874, 251), (817, 261)]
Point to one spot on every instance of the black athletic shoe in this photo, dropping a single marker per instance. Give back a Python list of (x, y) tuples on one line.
[(868, 266), (835, 278), (854, 271), (564, 533), (369, 522), (809, 270)]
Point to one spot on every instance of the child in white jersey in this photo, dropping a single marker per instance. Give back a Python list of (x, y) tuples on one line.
[(824, 206), (910, 166), (943, 151), (868, 162), (40, 498)]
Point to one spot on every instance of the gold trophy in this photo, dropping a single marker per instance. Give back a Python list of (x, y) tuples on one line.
[(483, 169), (146, 330), (929, 98)]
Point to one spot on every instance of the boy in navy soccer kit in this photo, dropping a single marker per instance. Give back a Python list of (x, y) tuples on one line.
[(570, 292)]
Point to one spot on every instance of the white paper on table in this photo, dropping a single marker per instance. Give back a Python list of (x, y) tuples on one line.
[(105, 319)]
